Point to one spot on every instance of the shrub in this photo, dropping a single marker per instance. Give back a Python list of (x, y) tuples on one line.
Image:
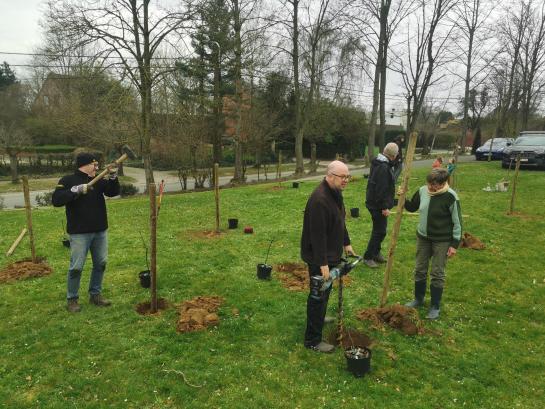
[(44, 199), (128, 189)]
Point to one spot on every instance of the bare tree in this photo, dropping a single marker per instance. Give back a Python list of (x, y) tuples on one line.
[(426, 52), (532, 62), (132, 32), (470, 17)]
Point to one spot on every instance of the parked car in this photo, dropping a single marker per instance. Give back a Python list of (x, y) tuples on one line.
[(496, 151), (530, 146)]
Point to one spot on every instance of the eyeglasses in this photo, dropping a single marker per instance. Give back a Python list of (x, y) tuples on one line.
[(343, 177)]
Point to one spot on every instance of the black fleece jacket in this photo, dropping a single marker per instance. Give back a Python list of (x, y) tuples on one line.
[(324, 229), (84, 213), (381, 185)]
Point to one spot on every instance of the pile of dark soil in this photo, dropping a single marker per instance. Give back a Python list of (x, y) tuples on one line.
[(144, 308), (404, 319), (23, 269), (472, 242), (199, 313), (350, 338), (294, 276)]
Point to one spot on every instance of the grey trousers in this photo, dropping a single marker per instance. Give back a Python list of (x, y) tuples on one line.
[(437, 252)]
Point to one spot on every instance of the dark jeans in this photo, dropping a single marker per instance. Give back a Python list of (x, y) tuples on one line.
[(378, 233), (316, 310)]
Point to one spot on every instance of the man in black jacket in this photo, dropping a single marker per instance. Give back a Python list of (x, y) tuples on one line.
[(379, 199), (87, 225), (323, 240)]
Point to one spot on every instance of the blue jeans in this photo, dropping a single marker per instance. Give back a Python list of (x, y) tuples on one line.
[(80, 244)]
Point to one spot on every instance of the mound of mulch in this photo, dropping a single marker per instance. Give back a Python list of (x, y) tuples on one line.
[(404, 319), (144, 308), (294, 276), (23, 269), (471, 242), (199, 313), (350, 338)]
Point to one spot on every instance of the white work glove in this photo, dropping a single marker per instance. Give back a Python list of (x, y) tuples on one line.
[(113, 173), (79, 189)]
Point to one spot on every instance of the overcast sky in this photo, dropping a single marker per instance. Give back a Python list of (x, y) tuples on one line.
[(19, 30)]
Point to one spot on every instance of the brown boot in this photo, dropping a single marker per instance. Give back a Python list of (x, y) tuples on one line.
[(73, 306), (97, 300)]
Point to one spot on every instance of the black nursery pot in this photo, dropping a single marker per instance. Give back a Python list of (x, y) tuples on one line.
[(264, 271), (295, 185), (145, 278), (355, 212), (66, 243), (358, 360), (233, 223)]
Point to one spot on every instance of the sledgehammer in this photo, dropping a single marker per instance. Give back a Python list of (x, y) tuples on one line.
[(127, 153)]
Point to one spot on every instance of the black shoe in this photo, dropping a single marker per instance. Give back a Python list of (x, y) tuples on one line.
[(322, 347), (379, 259), (96, 299), (73, 306), (370, 263)]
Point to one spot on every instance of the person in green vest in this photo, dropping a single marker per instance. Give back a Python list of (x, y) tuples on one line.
[(438, 235)]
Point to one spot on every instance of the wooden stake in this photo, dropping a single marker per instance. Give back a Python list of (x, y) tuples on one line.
[(28, 208), (399, 215), (217, 195), (513, 192), (153, 245), (16, 242)]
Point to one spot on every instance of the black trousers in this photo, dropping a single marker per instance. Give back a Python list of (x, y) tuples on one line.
[(378, 234), (316, 310)]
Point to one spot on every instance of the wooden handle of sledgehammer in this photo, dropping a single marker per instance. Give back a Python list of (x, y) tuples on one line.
[(16, 242), (102, 174)]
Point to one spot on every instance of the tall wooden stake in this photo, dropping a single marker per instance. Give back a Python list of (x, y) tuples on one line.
[(153, 245), (513, 191), (28, 208), (399, 215), (217, 195)]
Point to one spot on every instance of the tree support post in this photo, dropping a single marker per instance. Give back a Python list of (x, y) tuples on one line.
[(399, 216), (217, 195), (28, 208), (153, 246), (514, 190)]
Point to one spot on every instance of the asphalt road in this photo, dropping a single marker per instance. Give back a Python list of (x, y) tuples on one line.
[(172, 184)]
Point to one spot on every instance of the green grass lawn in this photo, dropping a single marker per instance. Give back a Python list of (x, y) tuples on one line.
[(486, 351)]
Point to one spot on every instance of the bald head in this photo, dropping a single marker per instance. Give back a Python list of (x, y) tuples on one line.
[(391, 150), (337, 175)]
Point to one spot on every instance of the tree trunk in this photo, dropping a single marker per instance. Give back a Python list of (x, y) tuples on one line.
[(299, 167), (313, 162), (237, 25), (14, 167)]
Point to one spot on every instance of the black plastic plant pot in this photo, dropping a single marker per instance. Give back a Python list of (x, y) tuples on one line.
[(233, 223), (295, 185), (264, 271), (66, 243), (145, 278), (366, 176), (358, 360), (355, 212)]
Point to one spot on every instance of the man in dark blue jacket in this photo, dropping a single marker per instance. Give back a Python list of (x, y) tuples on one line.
[(379, 199), (87, 225)]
